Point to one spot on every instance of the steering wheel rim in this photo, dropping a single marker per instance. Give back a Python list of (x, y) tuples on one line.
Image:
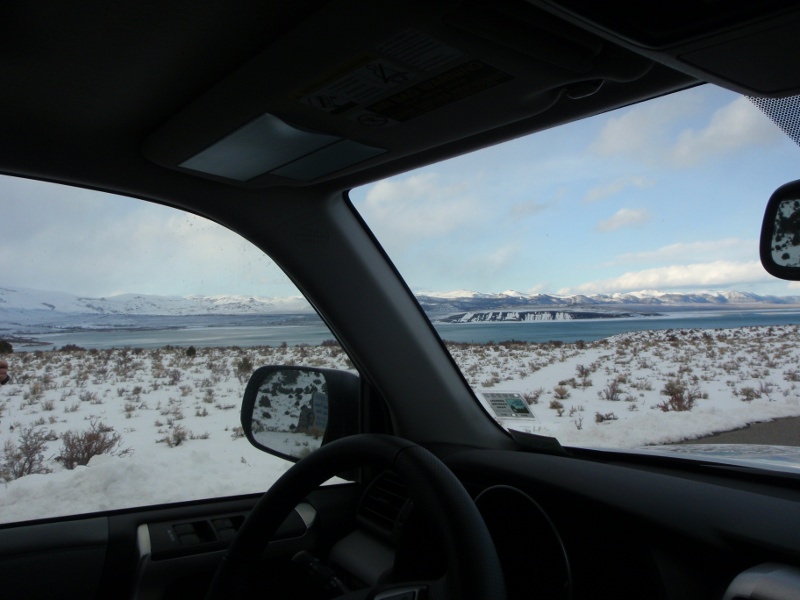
[(473, 567)]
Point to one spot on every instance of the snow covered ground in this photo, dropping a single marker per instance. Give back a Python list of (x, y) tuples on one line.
[(177, 416)]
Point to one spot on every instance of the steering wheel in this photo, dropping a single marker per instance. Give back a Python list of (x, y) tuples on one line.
[(473, 568)]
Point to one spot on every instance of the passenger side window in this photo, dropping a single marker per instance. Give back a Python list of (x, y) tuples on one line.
[(130, 331)]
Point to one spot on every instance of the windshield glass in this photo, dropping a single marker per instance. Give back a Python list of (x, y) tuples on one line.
[(599, 282)]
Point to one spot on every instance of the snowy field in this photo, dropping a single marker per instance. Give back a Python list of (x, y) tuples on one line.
[(174, 418)]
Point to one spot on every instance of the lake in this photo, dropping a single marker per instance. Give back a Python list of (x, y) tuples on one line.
[(256, 331)]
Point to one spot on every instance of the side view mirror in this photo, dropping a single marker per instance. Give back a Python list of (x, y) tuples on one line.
[(780, 233), (291, 411)]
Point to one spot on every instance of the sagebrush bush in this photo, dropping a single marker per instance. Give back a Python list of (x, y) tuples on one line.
[(560, 392), (79, 447), (602, 418), (244, 367), (611, 392), (26, 457), (681, 398), (175, 435)]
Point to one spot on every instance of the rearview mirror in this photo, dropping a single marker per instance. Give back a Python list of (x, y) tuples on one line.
[(291, 411), (780, 233)]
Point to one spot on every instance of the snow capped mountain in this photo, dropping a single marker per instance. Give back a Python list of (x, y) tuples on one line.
[(512, 293), (457, 294), (451, 302), (21, 299), (14, 301)]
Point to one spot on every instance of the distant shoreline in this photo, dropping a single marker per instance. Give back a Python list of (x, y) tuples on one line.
[(216, 331)]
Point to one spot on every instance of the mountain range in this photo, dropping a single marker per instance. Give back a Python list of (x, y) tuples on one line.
[(13, 299), (463, 300)]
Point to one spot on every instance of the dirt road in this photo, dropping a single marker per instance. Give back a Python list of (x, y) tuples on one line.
[(781, 432)]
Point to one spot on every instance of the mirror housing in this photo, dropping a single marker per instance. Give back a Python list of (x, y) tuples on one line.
[(290, 411), (780, 233)]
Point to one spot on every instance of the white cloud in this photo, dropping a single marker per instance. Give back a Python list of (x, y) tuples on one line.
[(694, 251), (527, 209), (605, 190), (639, 131), (419, 206), (711, 274), (625, 217), (539, 288), (90, 243), (647, 132), (737, 125), (493, 262)]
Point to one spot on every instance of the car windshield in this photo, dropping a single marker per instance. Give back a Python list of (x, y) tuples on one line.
[(599, 282)]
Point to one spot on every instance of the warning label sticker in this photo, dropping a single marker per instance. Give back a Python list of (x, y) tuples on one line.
[(420, 51), (457, 83), (399, 81), (508, 405), (360, 85)]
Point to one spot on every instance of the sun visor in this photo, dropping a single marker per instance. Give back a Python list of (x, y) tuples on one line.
[(749, 47)]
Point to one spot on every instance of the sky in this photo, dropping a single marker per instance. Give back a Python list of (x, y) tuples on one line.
[(667, 195)]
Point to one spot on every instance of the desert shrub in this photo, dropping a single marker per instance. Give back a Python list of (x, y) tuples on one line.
[(174, 376), (26, 457), (792, 375), (681, 398), (34, 394), (191, 352), (602, 418), (748, 394), (79, 447), (612, 391), (244, 367), (561, 392), (175, 435), (71, 348), (533, 396), (6, 347), (90, 397)]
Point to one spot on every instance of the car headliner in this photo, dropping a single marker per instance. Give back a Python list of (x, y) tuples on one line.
[(95, 90), (115, 96)]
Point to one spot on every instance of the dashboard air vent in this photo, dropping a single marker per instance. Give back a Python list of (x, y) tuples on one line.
[(383, 502)]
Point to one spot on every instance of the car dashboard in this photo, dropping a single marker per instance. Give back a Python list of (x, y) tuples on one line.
[(591, 526)]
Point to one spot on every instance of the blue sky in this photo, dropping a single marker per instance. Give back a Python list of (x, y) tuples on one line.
[(665, 195)]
